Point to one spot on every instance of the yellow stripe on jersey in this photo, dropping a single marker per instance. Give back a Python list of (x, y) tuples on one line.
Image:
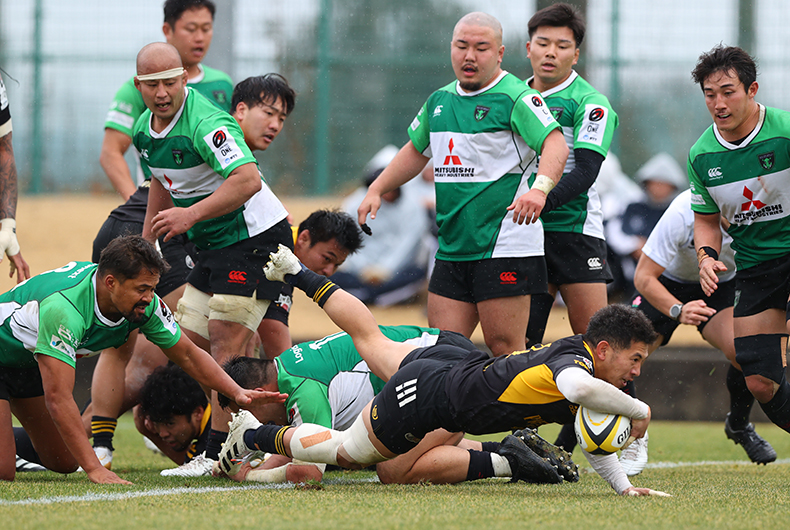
[(533, 386)]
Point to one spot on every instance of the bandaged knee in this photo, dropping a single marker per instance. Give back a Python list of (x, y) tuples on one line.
[(244, 310), (193, 310)]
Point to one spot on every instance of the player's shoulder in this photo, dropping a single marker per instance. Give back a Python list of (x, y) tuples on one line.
[(706, 143), (778, 121), (214, 75)]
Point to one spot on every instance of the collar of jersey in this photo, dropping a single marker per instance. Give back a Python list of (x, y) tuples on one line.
[(460, 91), (172, 123), (746, 140), (198, 78), (592, 355), (562, 86), (103, 319)]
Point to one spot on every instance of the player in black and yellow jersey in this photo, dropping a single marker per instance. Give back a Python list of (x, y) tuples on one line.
[(450, 387)]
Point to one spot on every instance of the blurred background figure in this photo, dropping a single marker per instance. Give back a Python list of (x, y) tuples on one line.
[(392, 266), (661, 179)]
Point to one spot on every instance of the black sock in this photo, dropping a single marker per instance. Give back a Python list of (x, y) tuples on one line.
[(214, 443), (317, 287), (741, 400), (566, 438), (480, 465), (268, 438), (778, 409), (24, 447), (539, 310), (103, 430), (491, 447)]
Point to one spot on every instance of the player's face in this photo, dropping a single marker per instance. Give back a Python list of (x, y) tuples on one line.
[(262, 123), (131, 297), (177, 432), (163, 96), (322, 258), (191, 35), (552, 52), (731, 104), (475, 53), (622, 365)]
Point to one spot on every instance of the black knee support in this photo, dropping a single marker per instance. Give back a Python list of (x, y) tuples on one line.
[(761, 355)]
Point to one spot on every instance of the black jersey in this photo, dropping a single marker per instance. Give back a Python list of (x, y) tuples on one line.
[(517, 390)]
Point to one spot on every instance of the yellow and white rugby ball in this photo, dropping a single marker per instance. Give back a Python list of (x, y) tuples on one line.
[(599, 433)]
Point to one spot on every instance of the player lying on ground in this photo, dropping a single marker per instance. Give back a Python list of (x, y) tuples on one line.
[(75, 311), (447, 387), (329, 384)]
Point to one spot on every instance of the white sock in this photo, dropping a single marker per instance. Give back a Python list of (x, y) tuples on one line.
[(501, 466)]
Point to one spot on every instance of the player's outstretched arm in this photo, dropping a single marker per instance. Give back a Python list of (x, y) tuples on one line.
[(406, 165), (609, 468)]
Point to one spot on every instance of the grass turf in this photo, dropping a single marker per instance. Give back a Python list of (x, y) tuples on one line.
[(728, 494)]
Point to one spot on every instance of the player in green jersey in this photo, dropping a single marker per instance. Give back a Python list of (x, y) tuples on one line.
[(740, 170), (51, 320), (484, 132)]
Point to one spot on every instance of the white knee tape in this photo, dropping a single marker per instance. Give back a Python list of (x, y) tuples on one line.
[(193, 310), (244, 310), (314, 443), (358, 445)]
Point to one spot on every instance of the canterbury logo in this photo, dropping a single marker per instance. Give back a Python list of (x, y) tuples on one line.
[(507, 277), (407, 392), (714, 172), (237, 277), (594, 264)]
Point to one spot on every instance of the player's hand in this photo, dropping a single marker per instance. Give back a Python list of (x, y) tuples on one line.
[(18, 266), (527, 208), (708, 277), (644, 492), (639, 427), (695, 313), (250, 398), (172, 222), (101, 475), (369, 205), (10, 246)]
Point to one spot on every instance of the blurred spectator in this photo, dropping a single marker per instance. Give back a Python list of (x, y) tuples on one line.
[(392, 265), (661, 179)]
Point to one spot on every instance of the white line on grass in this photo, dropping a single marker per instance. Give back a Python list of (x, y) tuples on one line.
[(158, 492)]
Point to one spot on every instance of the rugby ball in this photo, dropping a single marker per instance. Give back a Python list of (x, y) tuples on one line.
[(599, 433)]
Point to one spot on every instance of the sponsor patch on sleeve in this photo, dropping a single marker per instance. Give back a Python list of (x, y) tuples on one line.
[(539, 108), (224, 146), (593, 125), (166, 317), (697, 199)]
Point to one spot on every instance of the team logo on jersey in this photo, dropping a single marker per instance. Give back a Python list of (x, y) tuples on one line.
[(178, 156), (220, 96), (557, 112), (452, 159), (597, 114), (766, 160), (715, 173), (507, 278), (219, 138), (761, 209), (437, 110), (481, 112)]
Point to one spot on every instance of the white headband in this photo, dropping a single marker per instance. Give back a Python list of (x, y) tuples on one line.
[(166, 74)]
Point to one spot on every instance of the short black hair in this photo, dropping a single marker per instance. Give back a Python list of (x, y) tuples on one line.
[(325, 225), (261, 89), (175, 8), (126, 256), (248, 372), (619, 325), (725, 59), (169, 392), (559, 16)]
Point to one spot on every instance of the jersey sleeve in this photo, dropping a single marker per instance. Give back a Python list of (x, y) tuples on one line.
[(594, 124), (5, 111), (220, 142), (126, 107), (309, 403), (532, 120), (161, 327), (420, 131), (701, 201), (60, 329)]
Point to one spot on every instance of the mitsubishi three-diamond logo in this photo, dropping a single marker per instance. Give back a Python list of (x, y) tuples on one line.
[(451, 158), (750, 200)]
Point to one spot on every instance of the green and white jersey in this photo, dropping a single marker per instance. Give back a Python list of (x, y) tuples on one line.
[(749, 184), (588, 122), (192, 158), (127, 105), (328, 383), (56, 313), (484, 147)]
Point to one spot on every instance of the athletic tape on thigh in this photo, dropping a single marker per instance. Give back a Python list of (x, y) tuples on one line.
[(192, 311), (358, 444), (761, 355), (244, 310)]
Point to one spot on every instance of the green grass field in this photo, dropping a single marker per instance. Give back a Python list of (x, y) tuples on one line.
[(712, 485)]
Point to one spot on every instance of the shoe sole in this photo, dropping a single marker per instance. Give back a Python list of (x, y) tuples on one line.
[(532, 469), (558, 457)]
